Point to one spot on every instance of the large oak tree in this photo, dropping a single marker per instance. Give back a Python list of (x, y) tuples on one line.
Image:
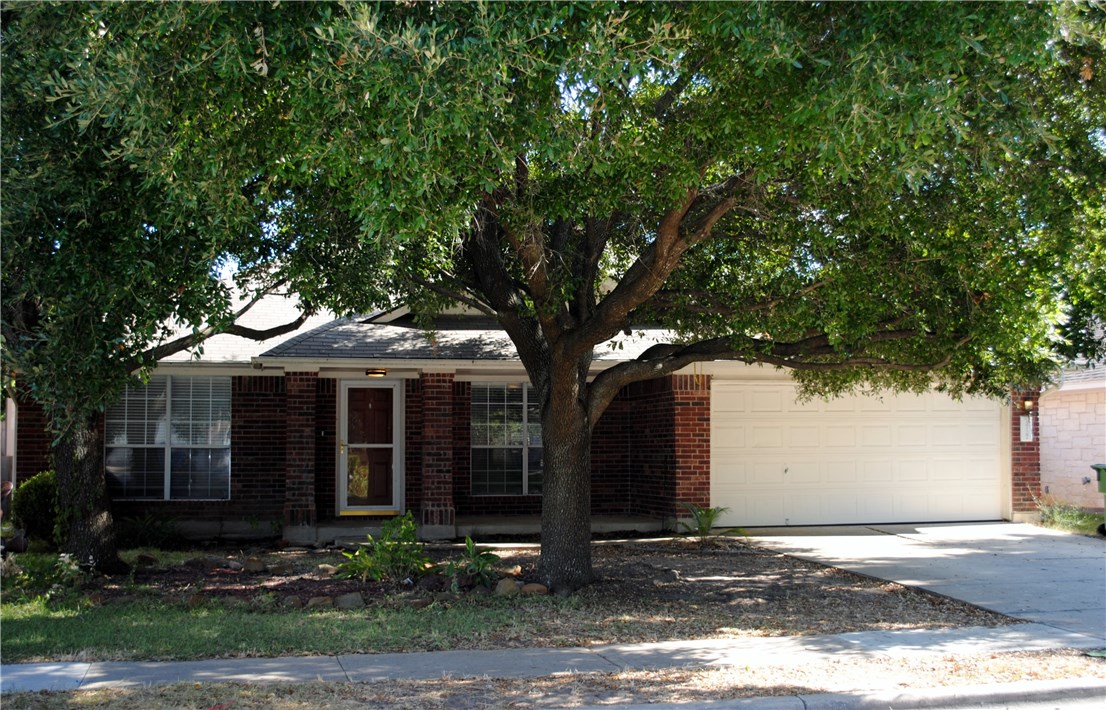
[(872, 195)]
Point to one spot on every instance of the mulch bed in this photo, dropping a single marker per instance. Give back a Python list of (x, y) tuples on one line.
[(646, 590)]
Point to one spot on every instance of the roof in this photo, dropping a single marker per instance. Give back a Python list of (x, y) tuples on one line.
[(1084, 376), (451, 337), (269, 312)]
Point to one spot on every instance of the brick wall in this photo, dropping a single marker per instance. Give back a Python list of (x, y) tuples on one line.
[(412, 445), (691, 438), (299, 447), (32, 442), (1073, 436), (326, 447), (1025, 465), (437, 449), (610, 472)]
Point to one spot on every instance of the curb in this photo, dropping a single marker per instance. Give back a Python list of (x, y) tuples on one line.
[(1040, 691)]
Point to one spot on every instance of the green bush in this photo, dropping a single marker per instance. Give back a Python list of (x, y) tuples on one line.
[(149, 530), (703, 521), (35, 506), (476, 564), (396, 556)]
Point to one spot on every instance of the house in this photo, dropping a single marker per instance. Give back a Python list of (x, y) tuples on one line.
[(1073, 436), (327, 433)]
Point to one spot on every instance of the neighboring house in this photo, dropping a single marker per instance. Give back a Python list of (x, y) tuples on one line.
[(1073, 436), (326, 433)]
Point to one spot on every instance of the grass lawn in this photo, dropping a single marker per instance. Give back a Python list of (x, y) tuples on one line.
[(152, 630), (647, 591)]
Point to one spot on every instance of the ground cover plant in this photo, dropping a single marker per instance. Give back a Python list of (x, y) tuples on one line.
[(188, 605), (1060, 515)]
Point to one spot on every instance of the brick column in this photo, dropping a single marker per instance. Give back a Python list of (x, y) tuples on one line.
[(691, 439), (438, 513), (1025, 463), (299, 466)]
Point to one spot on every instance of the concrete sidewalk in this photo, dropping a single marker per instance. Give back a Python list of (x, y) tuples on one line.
[(1054, 581), (529, 663)]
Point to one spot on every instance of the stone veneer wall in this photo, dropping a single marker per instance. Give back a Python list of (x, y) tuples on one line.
[(1073, 436)]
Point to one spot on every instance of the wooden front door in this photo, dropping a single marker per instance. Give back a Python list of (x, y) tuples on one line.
[(368, 452)]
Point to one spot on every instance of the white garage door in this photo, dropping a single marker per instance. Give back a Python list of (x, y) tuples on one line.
[(895, 458)]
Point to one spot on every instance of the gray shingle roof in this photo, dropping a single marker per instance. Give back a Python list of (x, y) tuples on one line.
[(465, 338)]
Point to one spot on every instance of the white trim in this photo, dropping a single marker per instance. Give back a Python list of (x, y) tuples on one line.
[(399, 436)]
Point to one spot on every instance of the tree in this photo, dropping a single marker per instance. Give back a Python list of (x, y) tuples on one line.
[(872, 195), (102, 267)]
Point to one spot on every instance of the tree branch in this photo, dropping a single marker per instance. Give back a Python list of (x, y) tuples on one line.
[(458, 296), (808, 354), (163, 350)]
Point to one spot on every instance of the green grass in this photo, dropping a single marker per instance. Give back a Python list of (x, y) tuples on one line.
[(154, 630), (1064, 516)]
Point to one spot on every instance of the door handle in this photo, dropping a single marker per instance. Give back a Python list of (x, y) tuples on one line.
[(342, 448)]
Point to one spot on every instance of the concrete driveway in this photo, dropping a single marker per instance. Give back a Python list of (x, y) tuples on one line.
[(1019, 570)]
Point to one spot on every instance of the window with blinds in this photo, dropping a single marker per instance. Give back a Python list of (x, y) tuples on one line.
[(170, 440), (506, 441)]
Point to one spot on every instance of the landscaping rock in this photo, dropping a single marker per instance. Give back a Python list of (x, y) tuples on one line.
[(145, 560), (234, 565), (94, 599), (353, 600), (328, 570), (282, 569), (506, 588), (533, 588), (320, 603), (292, 602), (254, 564), (481, 590), (445, 597), (207, 562), (419, 603), (195, 600)]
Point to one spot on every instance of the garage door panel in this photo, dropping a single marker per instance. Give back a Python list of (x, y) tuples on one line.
[(766, 401), (911, 435), (803, 437), (872, 435), (840, 472), (841, 435), (895, 458), (877, 470), (910, 470)]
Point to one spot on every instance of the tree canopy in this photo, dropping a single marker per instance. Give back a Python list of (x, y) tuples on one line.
[(871, 194)]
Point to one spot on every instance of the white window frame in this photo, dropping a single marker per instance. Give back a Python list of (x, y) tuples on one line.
[(168, 446), (526, 446)]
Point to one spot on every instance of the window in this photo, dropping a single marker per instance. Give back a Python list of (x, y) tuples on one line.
[(170, 440), (506, 441)]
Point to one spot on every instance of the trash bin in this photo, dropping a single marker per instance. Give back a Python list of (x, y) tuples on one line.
[(1100, 471)]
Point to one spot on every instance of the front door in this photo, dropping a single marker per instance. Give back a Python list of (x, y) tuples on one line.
[(369, 455)]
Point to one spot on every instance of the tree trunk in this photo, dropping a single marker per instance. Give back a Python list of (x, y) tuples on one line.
[(565, 562), (84, 509)]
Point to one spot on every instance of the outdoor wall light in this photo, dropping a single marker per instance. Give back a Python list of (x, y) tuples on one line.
[(1027, 405), (376, 372)]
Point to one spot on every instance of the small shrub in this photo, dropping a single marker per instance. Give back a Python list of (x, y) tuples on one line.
[(704, 521), (396, 556), (35, 506), (477, 565), (1065, 516), (147, 530), (48, 576)]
